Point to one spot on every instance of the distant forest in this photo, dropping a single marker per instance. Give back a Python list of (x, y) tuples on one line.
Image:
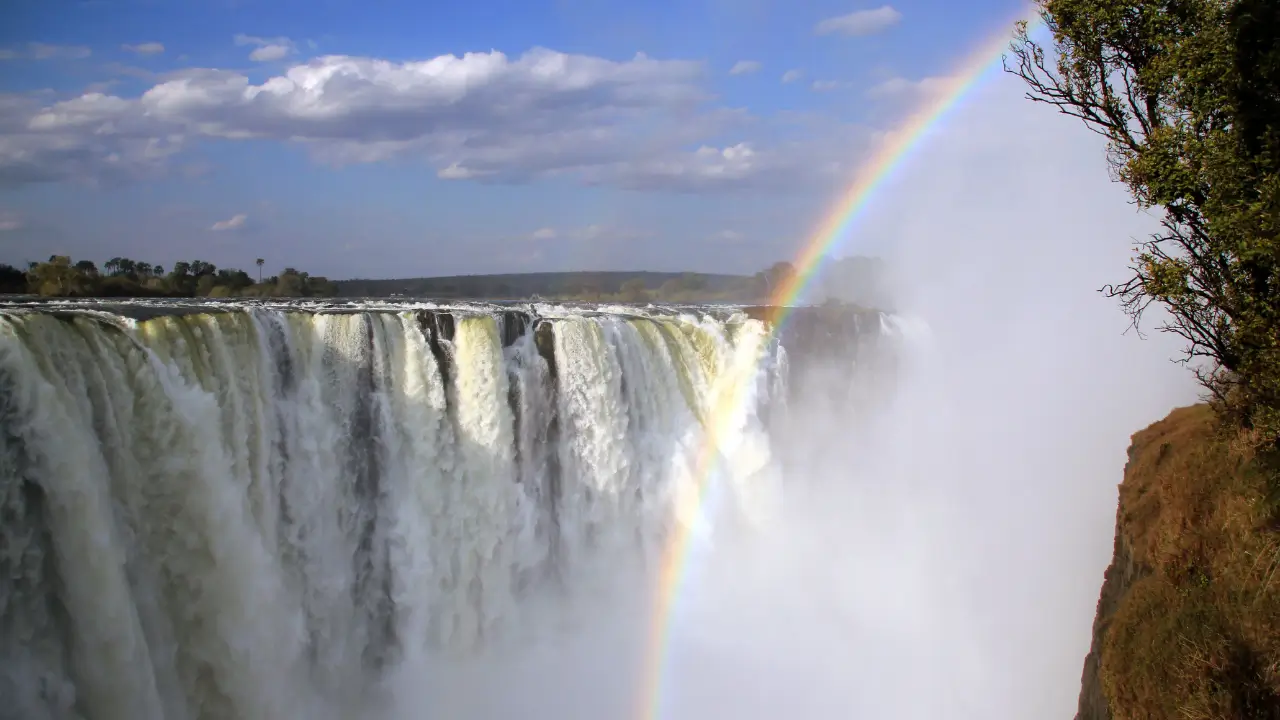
[(857, 280), (585, 286), (60, 276)]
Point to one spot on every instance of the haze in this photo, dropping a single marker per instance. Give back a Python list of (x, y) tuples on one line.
[(942, 562)]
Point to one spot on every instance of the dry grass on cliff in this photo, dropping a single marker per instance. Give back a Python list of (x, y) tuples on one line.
[(1198, 636)]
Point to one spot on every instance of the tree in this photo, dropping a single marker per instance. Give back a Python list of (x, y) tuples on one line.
[(633, 291), (233, 279), (87, 268), (774, 277), (1187, 93), (205, 285), (290, 284), (259, 262), (58, 277), (200, 268), (12, 280)]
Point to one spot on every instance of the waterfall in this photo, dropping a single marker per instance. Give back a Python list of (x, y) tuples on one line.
[(262, 511)]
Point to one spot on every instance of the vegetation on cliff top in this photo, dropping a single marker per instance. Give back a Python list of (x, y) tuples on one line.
[(587, 286), (1187, 93), (856, 280), (122, 277), (1196, 635)]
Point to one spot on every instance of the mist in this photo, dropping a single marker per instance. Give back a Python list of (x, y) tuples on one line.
[(916, 532), (936, 555)]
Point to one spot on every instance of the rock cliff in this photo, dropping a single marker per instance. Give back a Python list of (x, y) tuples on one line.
[(1188, 620)]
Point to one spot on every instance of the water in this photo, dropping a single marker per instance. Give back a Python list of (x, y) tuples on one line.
[(315, 510)]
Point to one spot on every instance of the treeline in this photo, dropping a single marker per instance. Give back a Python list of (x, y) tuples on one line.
[(857, 280), (676, 288), (60, 276), (624, 287)]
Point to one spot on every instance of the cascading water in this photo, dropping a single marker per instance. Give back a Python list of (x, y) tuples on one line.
[(252, 511)]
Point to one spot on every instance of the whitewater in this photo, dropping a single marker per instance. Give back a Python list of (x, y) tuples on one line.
[(314, 510)]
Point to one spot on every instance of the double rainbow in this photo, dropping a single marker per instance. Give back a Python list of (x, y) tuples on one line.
[(895, 149)]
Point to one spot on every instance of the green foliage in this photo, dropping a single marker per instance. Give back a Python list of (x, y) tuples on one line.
[(1187, 92), (585, 286), (12, 280), (122, 277), (633, 291), (58, 277)]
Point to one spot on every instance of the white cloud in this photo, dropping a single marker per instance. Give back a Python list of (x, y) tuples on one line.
[(93, 138), (898, 95), (482, 117), (791, 76), (745, 67), (728, 237), (267, 49), (456, 171), (146, 48), (783, 166), (899, 87), (43, 51), (267, 53), (707, 166), (860, 23), (544, 234), (9, 221), (828, 85), (234, 222)]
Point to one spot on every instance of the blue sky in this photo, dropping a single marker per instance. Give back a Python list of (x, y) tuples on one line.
[(395, 138)]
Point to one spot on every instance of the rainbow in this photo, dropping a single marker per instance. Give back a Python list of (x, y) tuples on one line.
[(728, 395)]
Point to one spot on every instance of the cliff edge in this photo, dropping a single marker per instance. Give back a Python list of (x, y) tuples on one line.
[(1188, 620)]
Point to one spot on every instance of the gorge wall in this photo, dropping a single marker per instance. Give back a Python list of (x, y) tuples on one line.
[(1188, 621)]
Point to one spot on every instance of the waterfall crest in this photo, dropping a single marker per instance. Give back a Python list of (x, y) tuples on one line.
[(257, 511)]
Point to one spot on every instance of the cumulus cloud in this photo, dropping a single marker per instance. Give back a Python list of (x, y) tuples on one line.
[(93, 138), (900, 87), (545, 233), (860, 23), (482, 117), (44, 51), (267, 53), (782, 166), (146, 48), (745, 67), (704, 166), (791, 76), (235, 222), (728, 237), (266, 49), (9, 221)]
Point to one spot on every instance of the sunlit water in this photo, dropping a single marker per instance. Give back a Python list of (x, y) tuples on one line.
[(378, 510)]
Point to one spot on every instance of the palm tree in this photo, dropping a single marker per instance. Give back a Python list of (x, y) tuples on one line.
[(260, 263)]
